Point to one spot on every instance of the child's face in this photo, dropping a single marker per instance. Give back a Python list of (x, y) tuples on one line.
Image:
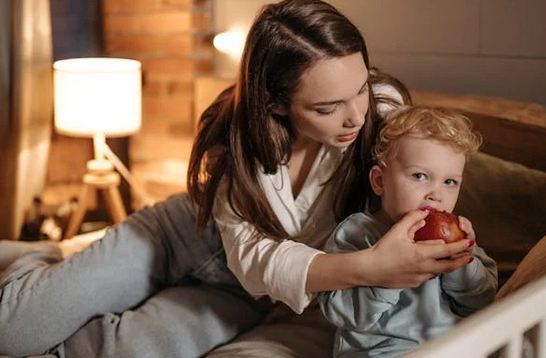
[(420, 173), (331, 102)]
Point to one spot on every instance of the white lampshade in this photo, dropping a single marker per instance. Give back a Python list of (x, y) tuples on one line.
[(97, 96)]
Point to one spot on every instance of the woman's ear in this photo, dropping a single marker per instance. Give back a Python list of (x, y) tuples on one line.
[(278, 109), (376, 180)]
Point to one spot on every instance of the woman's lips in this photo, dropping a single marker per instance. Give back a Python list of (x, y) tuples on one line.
[(347, 137)]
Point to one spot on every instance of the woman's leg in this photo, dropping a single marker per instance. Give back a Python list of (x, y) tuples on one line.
[(44, 301), (10, 251), (206, 308), (177, 322)]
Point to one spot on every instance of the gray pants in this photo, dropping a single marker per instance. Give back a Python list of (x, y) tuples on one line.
[(152, 287)]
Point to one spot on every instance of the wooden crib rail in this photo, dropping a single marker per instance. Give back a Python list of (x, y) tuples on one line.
[(499, 328)]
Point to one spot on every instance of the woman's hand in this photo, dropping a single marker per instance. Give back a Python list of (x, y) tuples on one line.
[(396, 261)]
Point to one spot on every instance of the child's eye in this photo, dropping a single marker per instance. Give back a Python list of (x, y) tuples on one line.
[(419, 176), (451, 182), (326, 111)]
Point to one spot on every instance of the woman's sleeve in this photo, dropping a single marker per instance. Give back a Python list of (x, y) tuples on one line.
[(473, 286), (265, 266)]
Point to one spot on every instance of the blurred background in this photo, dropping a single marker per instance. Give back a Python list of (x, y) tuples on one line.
[(489, 53)]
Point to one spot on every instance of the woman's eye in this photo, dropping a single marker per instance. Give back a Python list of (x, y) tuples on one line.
[(419, 176), (451, 182), (326, 111)]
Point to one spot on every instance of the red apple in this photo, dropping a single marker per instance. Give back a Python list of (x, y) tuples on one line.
[(440, 225)]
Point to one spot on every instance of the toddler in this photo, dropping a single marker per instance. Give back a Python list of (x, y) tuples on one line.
[(420, 156)]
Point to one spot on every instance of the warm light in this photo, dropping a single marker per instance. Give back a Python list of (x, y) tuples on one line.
[(97, 96), (230, 42)]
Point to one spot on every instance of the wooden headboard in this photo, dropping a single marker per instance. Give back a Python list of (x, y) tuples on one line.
[(514, 141), (512, 130)]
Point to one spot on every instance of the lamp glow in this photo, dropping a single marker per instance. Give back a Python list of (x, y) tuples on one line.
[(230, 42), (97, 96)]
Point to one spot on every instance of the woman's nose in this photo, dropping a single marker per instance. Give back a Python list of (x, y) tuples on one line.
[(355, 116)]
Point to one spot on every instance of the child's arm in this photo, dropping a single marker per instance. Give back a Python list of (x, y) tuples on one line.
[(473, 286)]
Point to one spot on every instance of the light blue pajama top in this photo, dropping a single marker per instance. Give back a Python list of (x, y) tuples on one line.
[(381, 322)]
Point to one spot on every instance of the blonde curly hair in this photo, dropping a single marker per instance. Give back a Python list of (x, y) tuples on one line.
[(444, 125)]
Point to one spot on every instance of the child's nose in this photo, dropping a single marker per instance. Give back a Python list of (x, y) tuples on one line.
[(434, 195)]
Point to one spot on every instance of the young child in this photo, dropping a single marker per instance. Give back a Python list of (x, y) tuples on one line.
[(420, 156)]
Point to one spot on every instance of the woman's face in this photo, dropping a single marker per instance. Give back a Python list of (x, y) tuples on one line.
[(331, 102)]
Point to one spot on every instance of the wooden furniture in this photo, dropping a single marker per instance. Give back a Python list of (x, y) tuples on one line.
[(512, 130), (106, 181)]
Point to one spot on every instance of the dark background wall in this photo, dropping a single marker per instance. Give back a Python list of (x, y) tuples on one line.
[(489, 47), (77, 28)]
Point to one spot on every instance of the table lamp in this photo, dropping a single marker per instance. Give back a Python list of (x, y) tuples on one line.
[(99, 98)]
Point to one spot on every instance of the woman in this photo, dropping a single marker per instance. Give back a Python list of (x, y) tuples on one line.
[(279, 159)]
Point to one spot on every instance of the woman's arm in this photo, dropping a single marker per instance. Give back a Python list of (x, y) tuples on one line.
[(292, 272), (395, 261), (264, 266)]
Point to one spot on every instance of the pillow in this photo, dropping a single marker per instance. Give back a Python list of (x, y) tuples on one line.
[(531, 268), (506, 203)]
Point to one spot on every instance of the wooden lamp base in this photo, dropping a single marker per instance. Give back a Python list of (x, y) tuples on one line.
[(100, 177)]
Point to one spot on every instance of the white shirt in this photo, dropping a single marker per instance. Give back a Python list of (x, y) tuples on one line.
[(265, 266), (279, 268)]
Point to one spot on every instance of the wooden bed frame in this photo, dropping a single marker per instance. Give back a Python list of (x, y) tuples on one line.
[(504, 329)]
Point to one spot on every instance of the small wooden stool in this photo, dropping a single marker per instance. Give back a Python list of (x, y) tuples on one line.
[(102, 177)]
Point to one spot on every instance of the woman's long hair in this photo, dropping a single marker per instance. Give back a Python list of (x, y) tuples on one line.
[(239, 133)]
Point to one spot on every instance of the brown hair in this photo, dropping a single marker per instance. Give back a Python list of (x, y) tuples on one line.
[(445, 125), (239, 132)]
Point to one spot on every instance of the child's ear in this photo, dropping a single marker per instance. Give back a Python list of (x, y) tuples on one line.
[(376, 179)]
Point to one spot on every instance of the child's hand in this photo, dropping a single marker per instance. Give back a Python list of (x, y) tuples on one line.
[(466, 227)]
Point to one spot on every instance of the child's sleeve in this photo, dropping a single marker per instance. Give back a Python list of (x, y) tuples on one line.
[(359, 307), (473, 286)]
